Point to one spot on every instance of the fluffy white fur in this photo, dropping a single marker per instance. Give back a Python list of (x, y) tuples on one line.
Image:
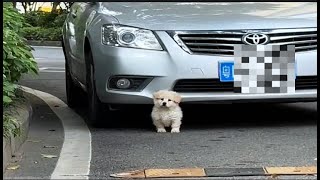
[(166, 111)]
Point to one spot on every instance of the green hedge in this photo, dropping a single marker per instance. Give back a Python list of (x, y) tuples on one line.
[(45, 26), (17, 60), (42, 34), (45, 19)]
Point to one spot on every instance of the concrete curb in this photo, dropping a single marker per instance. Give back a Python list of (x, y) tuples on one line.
[(23, 113), (44, 43), (75, 155)]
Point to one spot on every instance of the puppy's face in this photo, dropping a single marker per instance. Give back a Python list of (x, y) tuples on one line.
[(166, 99)]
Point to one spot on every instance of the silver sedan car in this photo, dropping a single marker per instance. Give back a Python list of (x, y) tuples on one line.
[(120, 53)]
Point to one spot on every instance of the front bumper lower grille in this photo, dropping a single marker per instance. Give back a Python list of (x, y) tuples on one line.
[(214, 85)]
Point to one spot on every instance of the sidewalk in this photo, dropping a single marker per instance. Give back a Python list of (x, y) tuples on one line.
[(38, 156)]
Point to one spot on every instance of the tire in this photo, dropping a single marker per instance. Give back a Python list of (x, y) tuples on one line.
[(96, 109), (75, 94)]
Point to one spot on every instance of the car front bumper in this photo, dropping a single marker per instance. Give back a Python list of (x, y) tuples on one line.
[(166, 67)]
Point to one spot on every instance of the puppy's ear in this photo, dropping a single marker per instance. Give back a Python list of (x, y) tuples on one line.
[(156, 95), (177, 98)]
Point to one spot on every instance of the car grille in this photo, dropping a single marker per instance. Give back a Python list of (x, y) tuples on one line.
[(306, 82), (214, 85), (222, 42)]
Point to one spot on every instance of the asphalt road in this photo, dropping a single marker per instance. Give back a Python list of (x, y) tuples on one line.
[(212, 135)]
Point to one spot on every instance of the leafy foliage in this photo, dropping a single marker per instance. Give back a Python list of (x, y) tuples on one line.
[(10, 126), (42, 34), (17, 59), (59, 20), (45, 26), (46, 19)]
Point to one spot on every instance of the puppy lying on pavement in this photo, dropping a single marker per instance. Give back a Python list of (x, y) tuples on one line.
[(166, 111)]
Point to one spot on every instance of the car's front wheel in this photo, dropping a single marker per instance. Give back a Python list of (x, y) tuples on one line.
[(97, 110)]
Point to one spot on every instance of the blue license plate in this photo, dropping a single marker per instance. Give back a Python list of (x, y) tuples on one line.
[(226, 71)]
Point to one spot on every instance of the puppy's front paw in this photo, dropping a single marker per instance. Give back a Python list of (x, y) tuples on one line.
[(175, 130), (161, 130)]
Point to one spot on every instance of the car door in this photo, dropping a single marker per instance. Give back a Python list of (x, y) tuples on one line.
[(69, 37), (79, 15)]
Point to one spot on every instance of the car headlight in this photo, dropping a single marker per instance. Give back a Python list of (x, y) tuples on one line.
[(124, 36)]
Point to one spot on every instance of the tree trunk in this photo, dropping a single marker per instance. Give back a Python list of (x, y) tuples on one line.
[(54, 6), (68, 5), (35, 6), (14, 4), (25, 6), (30, 5)]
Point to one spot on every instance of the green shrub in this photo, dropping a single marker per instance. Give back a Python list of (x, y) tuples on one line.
[(10, 126), (59, 20), (17, 60), (44, 26), (42, 34), (45, 19), (32, 17)]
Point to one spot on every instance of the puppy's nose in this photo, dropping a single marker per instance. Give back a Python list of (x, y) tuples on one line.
[(164, 104)]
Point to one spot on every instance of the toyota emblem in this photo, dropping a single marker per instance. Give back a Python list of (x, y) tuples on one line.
[(255, 39)]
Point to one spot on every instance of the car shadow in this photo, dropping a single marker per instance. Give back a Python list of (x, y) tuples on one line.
[(204, 117), (250, 116)]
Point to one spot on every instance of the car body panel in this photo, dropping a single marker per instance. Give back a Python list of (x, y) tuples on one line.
[(213, 16), (173, 63), (167, 67)]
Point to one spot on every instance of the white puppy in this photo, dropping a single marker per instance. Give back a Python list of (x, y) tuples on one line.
[(166, 111)]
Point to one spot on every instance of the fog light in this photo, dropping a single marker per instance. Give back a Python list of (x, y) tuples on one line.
[(123, 83)]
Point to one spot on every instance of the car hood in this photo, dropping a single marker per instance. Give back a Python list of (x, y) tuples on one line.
[(213, 16)]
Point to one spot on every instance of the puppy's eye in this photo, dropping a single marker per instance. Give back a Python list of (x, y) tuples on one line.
[(161, 99), (169, 99)]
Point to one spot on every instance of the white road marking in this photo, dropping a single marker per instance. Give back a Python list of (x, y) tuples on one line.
[(42, 68), (52, 47), (75, 156), (62, 68), (52, 69)]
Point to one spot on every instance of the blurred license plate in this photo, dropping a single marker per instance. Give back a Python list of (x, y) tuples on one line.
[(226, 71)]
